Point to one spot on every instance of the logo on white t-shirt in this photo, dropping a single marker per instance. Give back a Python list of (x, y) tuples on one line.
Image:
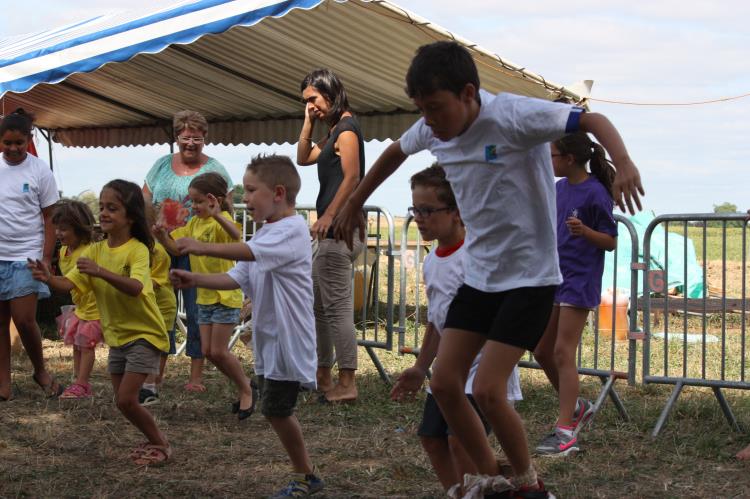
[(25, 187), (490, 152)]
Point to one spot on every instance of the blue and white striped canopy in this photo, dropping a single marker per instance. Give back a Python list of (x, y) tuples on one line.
[(117, 79)]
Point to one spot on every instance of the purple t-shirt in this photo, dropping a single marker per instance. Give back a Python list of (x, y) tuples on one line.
[(582, 263)]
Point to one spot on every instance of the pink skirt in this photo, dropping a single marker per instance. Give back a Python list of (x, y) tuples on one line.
[(74, 331)]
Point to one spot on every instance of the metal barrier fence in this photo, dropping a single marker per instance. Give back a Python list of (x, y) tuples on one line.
[(600, 353), (703, 338), (373, 312)]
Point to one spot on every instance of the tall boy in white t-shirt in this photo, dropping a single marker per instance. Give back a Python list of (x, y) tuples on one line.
[(436, 215), (275, 272), (496, 157)]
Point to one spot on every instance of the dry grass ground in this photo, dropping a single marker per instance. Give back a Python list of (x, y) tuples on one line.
[(368, 449)]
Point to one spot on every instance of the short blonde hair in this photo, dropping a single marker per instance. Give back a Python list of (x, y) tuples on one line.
[(189, 119), (275, 170)]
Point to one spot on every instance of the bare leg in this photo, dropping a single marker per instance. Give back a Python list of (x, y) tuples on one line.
[(23, 312), (461, 460), (85, 365), (5, 390), (227, 363), (289, 432), (76, 361), (455, 356), (569, 329), (490, 392), (324, 379), (126, 388), (439, 453), (545, 349)]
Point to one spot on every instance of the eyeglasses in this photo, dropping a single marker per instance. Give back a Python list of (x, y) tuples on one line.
[(188, 140), (426, 212)]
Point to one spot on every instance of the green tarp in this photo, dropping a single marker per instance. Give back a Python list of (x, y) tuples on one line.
[(676, 265)]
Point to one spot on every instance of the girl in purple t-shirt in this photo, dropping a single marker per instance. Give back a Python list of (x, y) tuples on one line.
[(585, 229)]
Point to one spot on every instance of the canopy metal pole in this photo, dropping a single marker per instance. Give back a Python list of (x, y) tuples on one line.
[(47, 134)]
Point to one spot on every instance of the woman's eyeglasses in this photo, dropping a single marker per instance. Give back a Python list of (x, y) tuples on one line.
[(426, 212), (188, 140)]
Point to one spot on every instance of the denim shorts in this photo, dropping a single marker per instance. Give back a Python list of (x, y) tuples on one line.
[(218, 314), (16, 282)]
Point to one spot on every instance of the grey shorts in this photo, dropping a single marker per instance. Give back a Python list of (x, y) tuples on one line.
[(138, 356), (218, 314)]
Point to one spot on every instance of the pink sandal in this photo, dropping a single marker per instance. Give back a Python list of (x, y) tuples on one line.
[(153, 455), (77, 391), (194, 387)]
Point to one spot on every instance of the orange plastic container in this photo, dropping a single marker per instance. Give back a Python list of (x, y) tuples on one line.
[(620, 302)]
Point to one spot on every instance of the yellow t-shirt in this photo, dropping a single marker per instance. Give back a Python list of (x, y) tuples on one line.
[(165, 298), (208, 230), (85, 302), (124, 318)]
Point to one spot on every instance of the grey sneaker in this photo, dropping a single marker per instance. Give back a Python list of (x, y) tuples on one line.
[(582, 415), (300, 486), (148, 397), (559, 443)]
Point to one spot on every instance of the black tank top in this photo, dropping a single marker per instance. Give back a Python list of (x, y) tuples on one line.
[(330, 173)]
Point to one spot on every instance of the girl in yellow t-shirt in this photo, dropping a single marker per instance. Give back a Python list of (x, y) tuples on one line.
[(78, 324), (218, 310), (117, 270)]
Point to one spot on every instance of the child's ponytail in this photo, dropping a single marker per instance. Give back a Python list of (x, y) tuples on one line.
[(584, 150), (601, 167)]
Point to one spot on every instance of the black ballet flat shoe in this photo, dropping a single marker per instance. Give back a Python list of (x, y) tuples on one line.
[(246, 413)]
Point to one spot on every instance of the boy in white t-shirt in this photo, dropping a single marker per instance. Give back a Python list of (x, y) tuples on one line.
[(437, 218), (495, 151), (274, 271)]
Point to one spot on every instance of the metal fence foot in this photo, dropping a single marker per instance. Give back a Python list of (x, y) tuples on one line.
[(667, 409), (378, 365), (726, 409), (609, 389)]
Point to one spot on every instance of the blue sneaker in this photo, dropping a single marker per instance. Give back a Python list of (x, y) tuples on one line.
[(300, 486)]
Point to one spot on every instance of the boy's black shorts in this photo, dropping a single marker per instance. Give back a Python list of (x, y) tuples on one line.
[(277, 398), (516, 317), (433, 423)]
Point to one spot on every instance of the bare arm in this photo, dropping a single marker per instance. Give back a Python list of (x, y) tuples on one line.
[(182, 279), (349, 150), (350, 214), (123, 284), (228, 251), (307, 151), (411, 380), (147, 196), (49, 235), (627, 183), (228, 225), (599, 239), (41, 272), (161, 235)]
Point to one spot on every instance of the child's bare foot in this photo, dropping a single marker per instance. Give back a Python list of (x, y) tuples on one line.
[(744, 454)]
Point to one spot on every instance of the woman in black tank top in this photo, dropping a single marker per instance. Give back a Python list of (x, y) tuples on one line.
[(340, 157)]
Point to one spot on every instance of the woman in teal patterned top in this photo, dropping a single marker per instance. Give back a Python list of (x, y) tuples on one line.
[(166, 187)]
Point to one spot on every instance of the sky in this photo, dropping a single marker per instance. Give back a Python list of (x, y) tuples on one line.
[(663, 51)]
